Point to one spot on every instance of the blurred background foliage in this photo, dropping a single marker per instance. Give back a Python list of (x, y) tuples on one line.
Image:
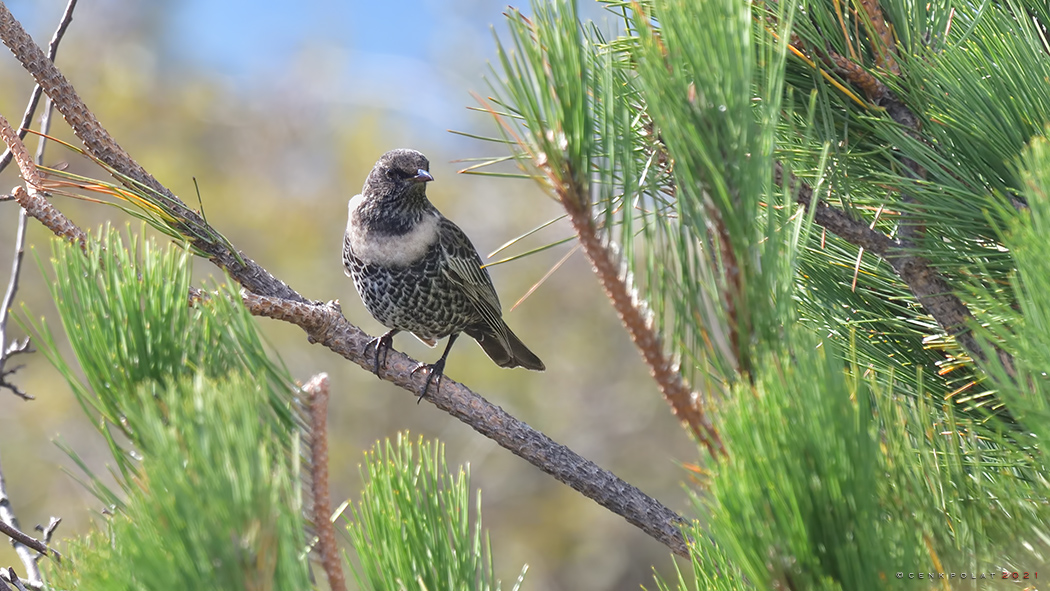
[(279, 117)]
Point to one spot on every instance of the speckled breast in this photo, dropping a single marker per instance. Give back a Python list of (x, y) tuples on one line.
[(416, 298)]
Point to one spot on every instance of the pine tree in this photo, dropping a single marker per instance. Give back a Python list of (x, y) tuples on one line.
[(830, 213), (822, 224)]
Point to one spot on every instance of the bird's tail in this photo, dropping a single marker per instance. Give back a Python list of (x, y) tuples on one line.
[(504, 347)]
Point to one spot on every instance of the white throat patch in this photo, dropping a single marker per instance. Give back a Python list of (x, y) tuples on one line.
[(386, 250)]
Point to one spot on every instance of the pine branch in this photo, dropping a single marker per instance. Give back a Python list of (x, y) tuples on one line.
[(266, 295), (927, 285), (321, 502), (101, 145), (33, 200), (932, 291), (684, 404), (325, 324), (882, 41)]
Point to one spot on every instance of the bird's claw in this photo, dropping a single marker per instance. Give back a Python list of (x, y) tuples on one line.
[(381, 344), (437, 369)]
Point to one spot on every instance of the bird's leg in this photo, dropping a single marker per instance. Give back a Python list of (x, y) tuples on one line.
[(383, 344), (437, 369)]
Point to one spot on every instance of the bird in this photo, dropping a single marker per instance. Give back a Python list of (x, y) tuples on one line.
[(416, 271)]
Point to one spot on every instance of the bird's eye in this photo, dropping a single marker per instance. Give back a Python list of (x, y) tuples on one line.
[(397, 173)]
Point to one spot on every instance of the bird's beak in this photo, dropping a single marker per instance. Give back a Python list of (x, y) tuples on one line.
[(422, 176)]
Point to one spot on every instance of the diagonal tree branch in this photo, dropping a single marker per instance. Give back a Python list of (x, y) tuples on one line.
[(29, 541), (265, 295), (926, 284), (34, 98), (101, 145), (325, 324)]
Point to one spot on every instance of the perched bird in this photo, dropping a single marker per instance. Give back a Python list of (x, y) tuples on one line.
[(417, 272)]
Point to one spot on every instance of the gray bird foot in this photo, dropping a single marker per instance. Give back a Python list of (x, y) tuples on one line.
[(381, 344), (437, 369)]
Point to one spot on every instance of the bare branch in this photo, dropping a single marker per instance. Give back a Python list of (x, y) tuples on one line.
[(16, 266), (49, 531), (8, 575), (22, 538), (317, 401), (9, 521), (27, 547), (23, 543), (325, 324), (34, 98)]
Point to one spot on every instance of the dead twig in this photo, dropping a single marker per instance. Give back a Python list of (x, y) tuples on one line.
[(24, 544), (29, 541), (316, 391)]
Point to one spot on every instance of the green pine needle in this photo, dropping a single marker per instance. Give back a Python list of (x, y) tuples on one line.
[(415, 526)]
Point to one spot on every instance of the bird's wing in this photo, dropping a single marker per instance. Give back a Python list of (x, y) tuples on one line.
[(464, 269)]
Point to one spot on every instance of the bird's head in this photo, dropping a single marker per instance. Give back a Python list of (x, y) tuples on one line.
[(399, 174)]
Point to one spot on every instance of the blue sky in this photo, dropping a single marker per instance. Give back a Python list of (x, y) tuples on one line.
[(416, 60), (268, 32), (423, 54), (419, 58)]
